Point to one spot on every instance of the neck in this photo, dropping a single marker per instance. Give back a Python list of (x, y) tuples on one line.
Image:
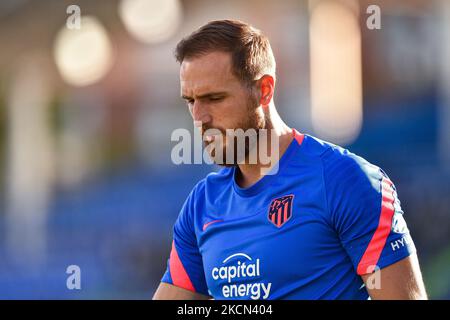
[(249, 174)]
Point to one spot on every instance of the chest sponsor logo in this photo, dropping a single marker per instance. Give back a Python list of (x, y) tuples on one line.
[(243, 278), (280, 210)]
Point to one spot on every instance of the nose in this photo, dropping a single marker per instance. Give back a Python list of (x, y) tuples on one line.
[(200, 113)]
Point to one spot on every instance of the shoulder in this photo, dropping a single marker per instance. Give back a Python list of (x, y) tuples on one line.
[(347, 168), (190, 217), (213, 184), (209, 188), (331, 154), (313, 147), (334, 160), (353, 186)]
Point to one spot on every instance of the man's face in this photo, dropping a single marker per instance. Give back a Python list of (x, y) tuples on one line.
[(217, 99)]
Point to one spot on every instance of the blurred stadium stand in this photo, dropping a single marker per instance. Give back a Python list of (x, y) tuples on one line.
[(85, 157)]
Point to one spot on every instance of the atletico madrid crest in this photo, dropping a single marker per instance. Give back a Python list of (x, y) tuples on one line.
[(280, 210)]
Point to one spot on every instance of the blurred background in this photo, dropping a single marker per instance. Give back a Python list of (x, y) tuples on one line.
[(89, 97)]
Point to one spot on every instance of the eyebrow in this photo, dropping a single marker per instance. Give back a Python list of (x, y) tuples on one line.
[(206, 95)]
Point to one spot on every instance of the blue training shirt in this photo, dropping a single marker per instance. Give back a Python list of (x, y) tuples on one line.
[(308, 232)]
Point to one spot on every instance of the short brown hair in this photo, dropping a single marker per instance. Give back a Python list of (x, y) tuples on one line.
[(250, 50)]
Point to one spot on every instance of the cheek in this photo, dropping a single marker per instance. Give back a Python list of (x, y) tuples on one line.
[(225, 112), (235, 109)]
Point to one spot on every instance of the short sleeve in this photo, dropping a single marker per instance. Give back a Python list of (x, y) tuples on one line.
[(185, 265), (365, 212)]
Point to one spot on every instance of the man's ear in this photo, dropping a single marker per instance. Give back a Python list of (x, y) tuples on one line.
[(266, 86)]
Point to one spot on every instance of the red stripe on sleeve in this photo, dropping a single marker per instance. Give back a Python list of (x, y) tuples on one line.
[(373, 252), (179, 275)]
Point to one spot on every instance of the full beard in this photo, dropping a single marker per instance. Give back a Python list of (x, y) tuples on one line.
[(247, 131)]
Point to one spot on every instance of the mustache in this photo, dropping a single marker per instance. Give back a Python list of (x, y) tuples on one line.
[(204, 128)]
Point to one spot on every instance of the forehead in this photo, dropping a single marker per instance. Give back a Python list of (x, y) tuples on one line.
[(209, 72)]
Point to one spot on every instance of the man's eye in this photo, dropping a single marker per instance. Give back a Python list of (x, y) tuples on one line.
[(216, 98)]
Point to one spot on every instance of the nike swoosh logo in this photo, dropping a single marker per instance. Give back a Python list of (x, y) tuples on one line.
[(206, 225)]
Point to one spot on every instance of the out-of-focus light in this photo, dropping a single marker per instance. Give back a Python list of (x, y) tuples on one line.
[(336, 84), (150, 21), (83, 56)]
